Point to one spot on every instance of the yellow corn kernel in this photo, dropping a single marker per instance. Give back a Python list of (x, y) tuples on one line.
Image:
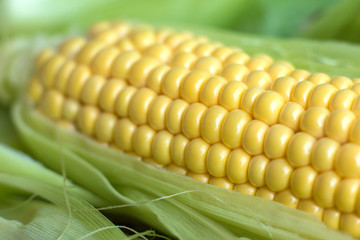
[(158, 111), (212, 122), (108, 36), (192, 85), (221, 182), (222, 53), (356, 107), (323, 154), (338, 123), (354, 135), (321, 95), (245, 188), (88, 52), (300, 74), (151, 162), (183, 59), (140, 70), (156, 77), (123, 134), (208, 64), (234, 72), (290, 115), (70, 110), (302, 182), (268, 106), (86, 119), (177, 169), (341, 82), (177, 149), (103, 61), (276, 141), (343, 99), (216, 160), (174, 115), (159, 51), (104, 127), (346, 194), (237, 166), (299, 149), (162, 33), (319, 78), (52, 103), (313, 121), (265, 193), (123, 64), (142, 38), (233, 128), (201, 177), (210, 92), (188, 46), (172, 82), (195, 155), (287, 198), (205, 49), (62, 76), (50, 69), (332, 218), (325, 187), (249, 98), (35, 89), (161, 147), (109, 93), (238, 57), (311, 207), (257, 169), (175, 39), (258, 78), (231, 94), (124, 44), (77, 79), (356, 88), (347, 160), (277, 175), (140, 104), (284, 86), (142, 141), (301, 92), (191, 122), (44, 56), (259, 62), (123, 100), (350, 223), (254, 136), (91, 91), (278, 70)]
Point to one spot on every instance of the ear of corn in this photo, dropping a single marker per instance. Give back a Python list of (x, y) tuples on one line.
[(181, 114)]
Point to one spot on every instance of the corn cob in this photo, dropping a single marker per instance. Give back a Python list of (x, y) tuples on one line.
[(213, 113)]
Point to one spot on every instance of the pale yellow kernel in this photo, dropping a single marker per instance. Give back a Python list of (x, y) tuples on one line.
[(313, 121), (302, 182), (65, 124), (88, 52), (321, 95), (123, 63), (192, 84), (325, 187), (109, 36), (50, 70), (350, 223), (104, 127), (35, 89), (51, 104), (233, 128), (62, 77), (356, 88), (123, 134), (258, 62), (140, 71), (300, 74), (122, 28), (332, 218), (123, 100), (276, 141), (212, 122), (76, 81), (109, 93), (343, 99), (216, 160), (195, 155), (249, 98), (356, 80), (258, 78), (265, 193), (338, 123), (124, 44), (162, 33), (210, 92), (142, 38), (237, 166), (175, 39), (238, 57), (231, 94), (311, 207), (234, 72), (347, 160), (92, 88), (287, 198), (245, 188), (161, 147), (44, 56), (284, 86), (201, 177), (268, 106), (103, 61), (205, 49), (346, 194), (172, 82), (98, 28), (301, 92), (221, 182), (278, 69), (142, 141), (323, 154), (341, 82), (354, 135), (187, 46), (290, 115), (254, 136), (299, 149), (86, 119), (208, 64), (177, 149), (174, 115), (175, 168), (71, 47), (191, 122), (140, 104), (319, 78), (156, 77), (277, 175), (159, 51), (222, 53), (158, 111), (356, 107), (70, 110), (183, 59), (257, 169), (151, 162)]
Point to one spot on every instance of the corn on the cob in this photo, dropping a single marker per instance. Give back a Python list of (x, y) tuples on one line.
[(213, 113)]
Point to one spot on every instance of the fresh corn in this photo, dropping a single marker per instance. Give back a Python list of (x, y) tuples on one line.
[(211, 112)]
